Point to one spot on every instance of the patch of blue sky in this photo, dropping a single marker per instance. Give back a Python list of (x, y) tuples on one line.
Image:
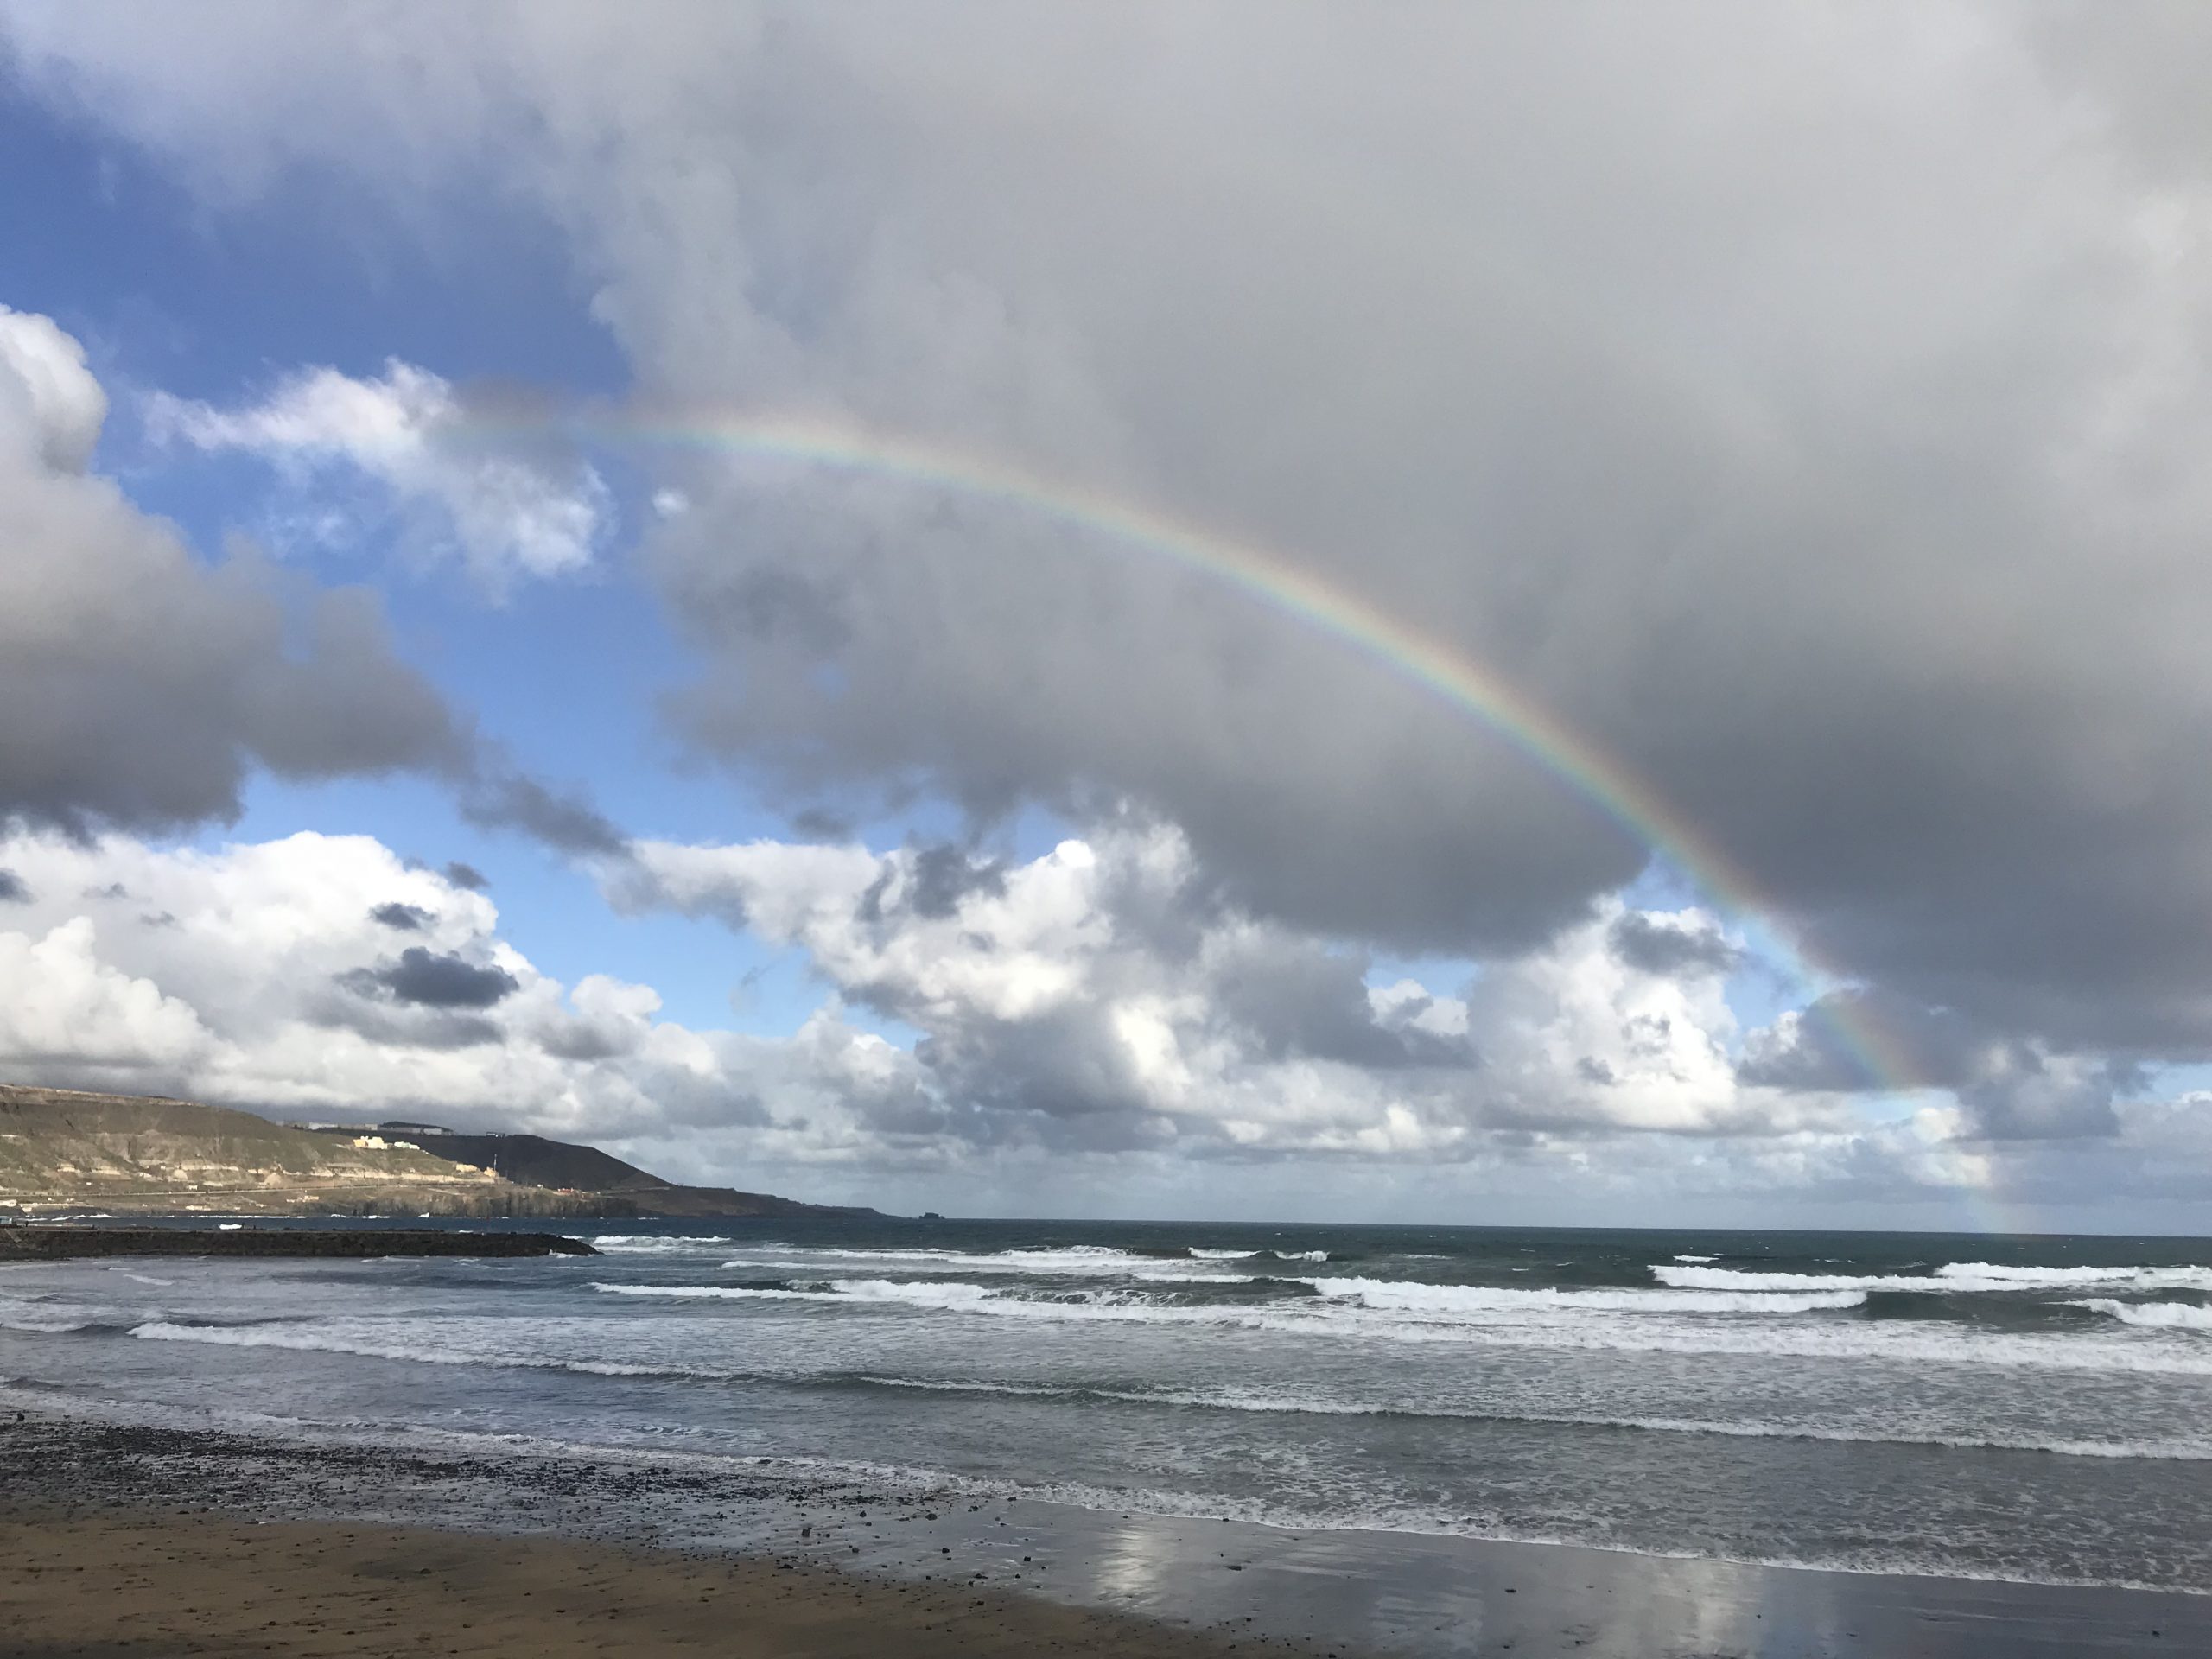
[(1768, 982), (2171, 1081), (1442, 975), (215, 301)]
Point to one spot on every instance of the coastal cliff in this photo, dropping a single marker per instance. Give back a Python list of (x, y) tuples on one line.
[(64, 1151)]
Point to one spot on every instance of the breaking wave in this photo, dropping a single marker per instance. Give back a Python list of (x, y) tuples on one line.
[(1954, 1278), (651, 1244), (2160, 1316), (1375, 1295), (1394, 1296)]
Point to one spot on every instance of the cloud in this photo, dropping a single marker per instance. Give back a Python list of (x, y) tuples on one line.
[(1674, 944), (1073, 1054), (66, 1008), (276, 988), (12, 890), (2006, 1088), (508, 516), (401, 919), (497, 797), (50, 405), (1818, 439), (1098, 998), (1817, 436), (431, 979), (466, 876), (140, 686)]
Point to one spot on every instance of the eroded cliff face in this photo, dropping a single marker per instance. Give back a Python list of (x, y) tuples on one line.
[(61, 1150)]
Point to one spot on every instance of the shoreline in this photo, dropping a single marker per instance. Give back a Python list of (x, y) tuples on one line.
[(1020, 1569)]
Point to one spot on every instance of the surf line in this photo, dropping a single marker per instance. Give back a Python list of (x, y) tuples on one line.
[(1257, 572)]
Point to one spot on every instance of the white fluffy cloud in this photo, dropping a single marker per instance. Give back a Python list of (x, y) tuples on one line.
[(1093, 1036), (50, 405), (1099, 996), (65, 1007), (323, 974), (508, 516)]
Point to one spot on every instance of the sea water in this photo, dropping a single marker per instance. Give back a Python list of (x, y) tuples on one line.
[(2027, 1409)]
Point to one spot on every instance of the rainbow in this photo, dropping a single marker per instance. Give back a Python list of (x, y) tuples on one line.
[(1257, 572)]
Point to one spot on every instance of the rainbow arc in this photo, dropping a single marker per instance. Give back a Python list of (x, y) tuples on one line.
[(1262, 575)]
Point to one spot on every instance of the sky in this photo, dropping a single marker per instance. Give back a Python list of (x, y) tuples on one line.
[(1577, 614)]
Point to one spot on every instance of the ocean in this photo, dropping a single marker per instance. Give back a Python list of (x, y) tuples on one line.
[(2032, 1409)]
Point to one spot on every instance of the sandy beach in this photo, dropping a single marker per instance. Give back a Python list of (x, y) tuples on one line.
[(95, 1586), (117, 1541)]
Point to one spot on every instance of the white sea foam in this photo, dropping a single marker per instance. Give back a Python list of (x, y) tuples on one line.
[(1520, 1320), (301, 1339), (1720, 1279), (1953, 1277), (1390, 1298), (1394, 1295), (1074, 1260), (2162, 1316), (1694, 1258), (2188, 1278), (652, 1244), (1911, 1343), (1301, 1256), (1222, 1256), (690, 1293), (957, 1296), (48, 1324)]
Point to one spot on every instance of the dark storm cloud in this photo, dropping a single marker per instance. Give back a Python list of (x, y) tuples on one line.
[(467, 877), (401, 919), (580, 1040), (1658, 944), (2011, 1089), (1297, 998), (402, 1026), (821, 823), (507, 799), (2026, 1095), (433, 979), (1825, 1049), (12, 889)]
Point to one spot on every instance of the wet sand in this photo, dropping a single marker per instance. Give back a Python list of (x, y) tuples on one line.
[(104, 1587), (119, 1540)]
